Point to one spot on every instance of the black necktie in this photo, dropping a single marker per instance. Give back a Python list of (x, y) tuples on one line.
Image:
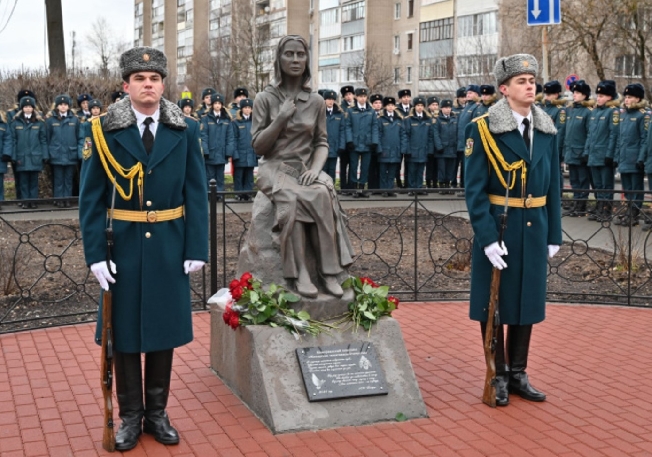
[(148, 136), (526, 133)]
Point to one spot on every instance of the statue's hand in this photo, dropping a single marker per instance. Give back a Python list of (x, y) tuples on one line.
[(308, 177), (287, 109)]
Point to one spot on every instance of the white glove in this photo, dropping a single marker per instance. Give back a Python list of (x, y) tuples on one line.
[(494, 253), (103, 274), (552, 250), (192, 265)]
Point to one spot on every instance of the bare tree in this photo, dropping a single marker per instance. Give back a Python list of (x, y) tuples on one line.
[(104, 47), (634, 32)]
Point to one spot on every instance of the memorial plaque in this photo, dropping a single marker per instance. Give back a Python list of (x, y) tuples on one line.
[(341, 370)]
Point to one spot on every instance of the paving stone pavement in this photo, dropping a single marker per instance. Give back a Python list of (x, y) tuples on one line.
[(594, 363)]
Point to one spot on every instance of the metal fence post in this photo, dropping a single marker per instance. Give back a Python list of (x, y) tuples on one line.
[(213, 235)]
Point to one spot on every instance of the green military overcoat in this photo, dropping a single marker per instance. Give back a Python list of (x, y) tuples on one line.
[(529, 230), (151, 296)]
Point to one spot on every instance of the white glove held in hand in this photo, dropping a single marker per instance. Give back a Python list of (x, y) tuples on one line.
[(103, 274), (494, 253), (552, 250), (192, 265)]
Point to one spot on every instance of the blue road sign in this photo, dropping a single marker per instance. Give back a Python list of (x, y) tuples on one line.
[(543, 12), (570, 79)]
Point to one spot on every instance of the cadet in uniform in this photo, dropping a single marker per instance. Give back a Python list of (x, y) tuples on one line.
[(217, 144), (205, 106), (187, 106), (376, 101), (10, 117), (240, 93), (65, 144), (85, 129), (445, 138), (5, 153), (460, 101), (361, 140), (488, 99), (554, 106), (83, 111), (160, 225), (431, 165), (464, 119), (577, 130), (348, 101), (244, 156), (29, 149), (634, 124), (419, 131), (404, 108), (433, 106), (373, 181), (601, 143), (392, 145), (336, 130), (520, 153)]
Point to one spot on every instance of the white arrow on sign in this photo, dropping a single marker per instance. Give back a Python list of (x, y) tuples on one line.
[(536, 11)]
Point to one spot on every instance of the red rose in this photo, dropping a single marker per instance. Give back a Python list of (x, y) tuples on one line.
[(226, 316), (234, 321), (233, 284), (394, 300), (237, 292), (366, 280), (245, 280)]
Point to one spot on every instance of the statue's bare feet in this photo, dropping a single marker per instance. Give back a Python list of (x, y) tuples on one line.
[(332, 286)]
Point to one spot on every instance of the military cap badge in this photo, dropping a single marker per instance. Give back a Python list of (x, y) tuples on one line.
[(146, 57)]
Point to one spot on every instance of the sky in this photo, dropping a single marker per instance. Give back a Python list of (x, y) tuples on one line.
[(23, 39)]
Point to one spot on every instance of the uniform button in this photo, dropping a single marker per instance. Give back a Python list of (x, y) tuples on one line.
[(529, 224), (149, 172), (148, 235), (148, 203)]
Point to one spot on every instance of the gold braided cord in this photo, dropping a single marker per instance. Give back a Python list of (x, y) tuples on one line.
[(494, 155), (127, 173)]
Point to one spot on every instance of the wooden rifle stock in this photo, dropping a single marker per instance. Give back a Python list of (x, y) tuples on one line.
[(108, 437)]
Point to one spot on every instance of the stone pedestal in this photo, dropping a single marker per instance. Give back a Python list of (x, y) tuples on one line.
[(258, 363)]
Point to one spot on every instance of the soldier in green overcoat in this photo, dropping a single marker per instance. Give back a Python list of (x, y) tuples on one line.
[(513, 146), (160, 225)]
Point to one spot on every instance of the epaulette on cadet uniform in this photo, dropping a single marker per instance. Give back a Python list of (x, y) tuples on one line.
[(3, 117), (476, 119)]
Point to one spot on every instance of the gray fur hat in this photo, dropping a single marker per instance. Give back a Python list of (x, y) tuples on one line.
[(517, 64), (143, 58)]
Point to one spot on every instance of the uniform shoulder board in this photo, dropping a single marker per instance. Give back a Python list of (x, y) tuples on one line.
[(643, 110), (479, 117)]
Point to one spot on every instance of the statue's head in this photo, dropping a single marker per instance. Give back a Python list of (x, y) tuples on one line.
[(281, 68)]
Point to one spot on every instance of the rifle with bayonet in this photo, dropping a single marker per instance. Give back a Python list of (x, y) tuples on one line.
[(493, 320), (106, 369)]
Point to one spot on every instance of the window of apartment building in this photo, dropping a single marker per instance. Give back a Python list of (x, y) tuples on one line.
[(328, 75), (441, 29), (278, 29), (139, 9), (276, 4), (476, 24), (475, 65), (352, 74), (328, 17), (397, 44), (157, 28), (397, 75), (628, 66), (329, 46), (436, 68), (410, 39), (397, 11), (408, 75), (410, 8), (353, 42), (353, 12)]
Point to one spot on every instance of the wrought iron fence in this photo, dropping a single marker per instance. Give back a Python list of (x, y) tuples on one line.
[(419, 245)]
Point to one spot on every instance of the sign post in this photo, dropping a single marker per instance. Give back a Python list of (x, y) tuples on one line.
[(544, 12)]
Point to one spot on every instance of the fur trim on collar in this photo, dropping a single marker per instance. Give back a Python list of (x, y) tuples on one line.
[(396, 113), (119, 115), (559, 103), (643, 104), (491, 101), (585, 104), (35, 113), (501, 119), (538, 98), (413, 113)]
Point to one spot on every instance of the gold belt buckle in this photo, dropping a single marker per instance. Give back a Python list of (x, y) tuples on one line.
[(151, 216), (528, 201)]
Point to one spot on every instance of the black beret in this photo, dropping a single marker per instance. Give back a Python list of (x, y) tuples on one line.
[(375, 98), (207, 91), (552, 87), (461, 92), (473, 88), (329, 94), (361, 91), (143, 58), (419, 101), (83, 97), (186, 102), (217, 97), (446, 103), (487, 89), (246, 102), (403, 92), (635, 90), (346, 89), (25, 93), (582, 87), (389, 101), (607, 87), (240, 91), (94, 103), (432, 99)]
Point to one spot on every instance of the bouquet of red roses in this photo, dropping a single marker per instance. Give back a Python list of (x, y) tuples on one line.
[(370, 304)]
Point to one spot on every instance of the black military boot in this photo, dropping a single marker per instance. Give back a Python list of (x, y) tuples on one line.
[(571, 209), (129, 390), (518, 345), (158, 370), (580, 209), (605, 216), (596, 213), (502, 369)]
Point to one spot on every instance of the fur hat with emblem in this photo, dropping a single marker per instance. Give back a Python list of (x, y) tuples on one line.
[(514, 65), (143, 58), (635, 90), (607, 87), (63, 98)]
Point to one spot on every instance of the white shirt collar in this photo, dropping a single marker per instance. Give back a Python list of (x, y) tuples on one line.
[(140, 119), (362, 106), (519, 121)]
